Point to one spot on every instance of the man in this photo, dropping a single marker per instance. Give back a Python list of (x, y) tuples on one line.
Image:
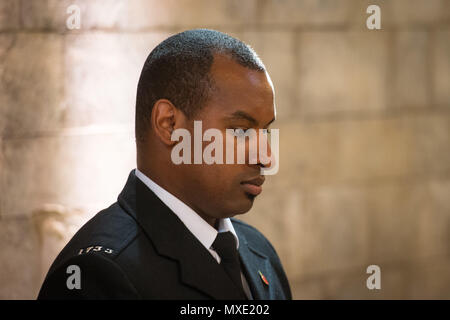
[(169, 235)]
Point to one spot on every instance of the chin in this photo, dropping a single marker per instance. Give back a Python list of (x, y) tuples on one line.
[(243, 206)]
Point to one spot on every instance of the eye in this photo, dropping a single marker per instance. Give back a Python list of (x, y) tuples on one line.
[(240, 132)]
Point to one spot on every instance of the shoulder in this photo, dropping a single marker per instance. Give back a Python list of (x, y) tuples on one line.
[(93, 251), (248, 230), (253, 237), (107, 234), (89, 276)]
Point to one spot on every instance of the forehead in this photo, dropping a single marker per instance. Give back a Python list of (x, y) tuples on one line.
[(239, 88)]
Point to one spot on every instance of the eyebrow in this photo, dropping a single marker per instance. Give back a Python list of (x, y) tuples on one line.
[(244, 115)]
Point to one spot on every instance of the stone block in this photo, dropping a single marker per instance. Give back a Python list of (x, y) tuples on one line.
[(400, 14), (45, 14), (305, 13), (322, 153), (84, 172), (134, 15), (411, 85), (415, 12), (9, 15), (53, 14), (408, 221), (352, 285), (19, 258), (102, 73), (441, 70), (2, 173), (359, 15), (433, 235), (32, 87), (430, 279), (342, 151), (307, 289), (431, 134), (332, 231), (28, 177), (141, 14), (393, 215), (342, 72)]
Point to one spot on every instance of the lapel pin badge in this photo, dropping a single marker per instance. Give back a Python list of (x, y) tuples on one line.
[(263, 278)]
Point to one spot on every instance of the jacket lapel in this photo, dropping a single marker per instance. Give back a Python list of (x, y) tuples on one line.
[(254, 264), (172, 239)]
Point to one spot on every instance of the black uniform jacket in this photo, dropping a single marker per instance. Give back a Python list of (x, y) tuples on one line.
[(139, 249)]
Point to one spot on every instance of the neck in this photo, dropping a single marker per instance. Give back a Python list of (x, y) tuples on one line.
[(165, 181)]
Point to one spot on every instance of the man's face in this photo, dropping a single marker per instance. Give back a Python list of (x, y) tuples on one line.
[(241, 99)]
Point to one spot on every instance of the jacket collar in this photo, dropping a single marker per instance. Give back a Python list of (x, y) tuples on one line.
[(173, 240), (201, 229), (254, 263)]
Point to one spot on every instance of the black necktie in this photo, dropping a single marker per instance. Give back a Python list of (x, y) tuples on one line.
[(225, 246)]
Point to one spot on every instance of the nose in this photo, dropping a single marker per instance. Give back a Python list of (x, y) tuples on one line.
[(265, 156)]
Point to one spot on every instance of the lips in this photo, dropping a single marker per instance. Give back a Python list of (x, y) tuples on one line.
[(253, 186)]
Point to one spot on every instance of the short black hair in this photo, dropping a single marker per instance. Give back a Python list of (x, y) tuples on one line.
[(178, 70)]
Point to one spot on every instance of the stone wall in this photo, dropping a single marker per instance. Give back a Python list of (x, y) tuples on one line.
[(363, 116)]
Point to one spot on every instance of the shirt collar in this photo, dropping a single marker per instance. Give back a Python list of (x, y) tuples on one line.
[(202, 230)]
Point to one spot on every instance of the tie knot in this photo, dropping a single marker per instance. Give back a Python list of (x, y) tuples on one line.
[(225, 245)]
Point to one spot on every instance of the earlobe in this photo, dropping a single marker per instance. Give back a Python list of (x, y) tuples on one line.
[(164, 117)]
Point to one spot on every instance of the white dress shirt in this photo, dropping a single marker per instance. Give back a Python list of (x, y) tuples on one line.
[(202, 230)]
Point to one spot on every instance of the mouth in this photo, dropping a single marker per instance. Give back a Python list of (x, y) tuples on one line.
[(253, 186)]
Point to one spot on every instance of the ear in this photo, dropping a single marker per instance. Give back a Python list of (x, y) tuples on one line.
[(165, 119)]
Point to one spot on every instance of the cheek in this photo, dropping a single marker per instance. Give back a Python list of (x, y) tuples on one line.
[(218, 178)]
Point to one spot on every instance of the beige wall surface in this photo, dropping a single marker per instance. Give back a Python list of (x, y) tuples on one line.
[(364, 120)]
